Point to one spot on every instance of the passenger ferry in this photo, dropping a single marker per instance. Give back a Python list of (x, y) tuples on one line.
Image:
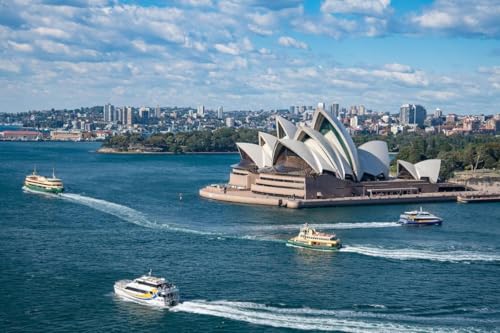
[(37, 183), (309, 238), (148, 290), (419, 217)]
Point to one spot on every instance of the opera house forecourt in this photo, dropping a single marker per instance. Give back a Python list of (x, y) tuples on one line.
[(319, 165)]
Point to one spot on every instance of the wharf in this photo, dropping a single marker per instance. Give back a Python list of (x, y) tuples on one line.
[(479, 197), (247, 197)]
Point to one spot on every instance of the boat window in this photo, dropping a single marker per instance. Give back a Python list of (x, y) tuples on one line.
[(147, 283), (136, 290)]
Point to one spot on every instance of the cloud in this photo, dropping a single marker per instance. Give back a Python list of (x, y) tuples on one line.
[(365, 7), (292, 42), (21, 47), (9, 66), (460, 17), (230, 48), (234, 53), (52, 32)]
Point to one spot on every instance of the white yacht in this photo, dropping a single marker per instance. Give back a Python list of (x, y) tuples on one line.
[(419, 217), (148, 290)]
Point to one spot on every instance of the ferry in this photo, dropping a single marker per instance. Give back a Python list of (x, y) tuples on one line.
[(37, 183), (419, 217), (148, 290), (309, 238)]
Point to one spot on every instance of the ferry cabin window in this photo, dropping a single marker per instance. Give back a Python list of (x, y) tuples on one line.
[(136, 290), (147, 284)]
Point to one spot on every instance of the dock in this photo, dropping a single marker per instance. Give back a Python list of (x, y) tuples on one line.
[(247, 197), (478, 197)]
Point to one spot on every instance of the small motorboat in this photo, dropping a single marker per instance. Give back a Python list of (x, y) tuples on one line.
[(149, 290)]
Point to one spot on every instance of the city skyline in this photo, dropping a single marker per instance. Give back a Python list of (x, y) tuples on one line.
[(251, 54)]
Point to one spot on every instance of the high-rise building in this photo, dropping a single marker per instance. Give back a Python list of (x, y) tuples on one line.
[(201, 111), (157, 112), (220, 112), (438, 113), (411, 114), (361, 110), (130, 116), (321, 106), (230, 122), (335, 110), (109, 113), (354, 122)]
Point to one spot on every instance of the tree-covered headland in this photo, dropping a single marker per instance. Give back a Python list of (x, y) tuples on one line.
[(457, 152)]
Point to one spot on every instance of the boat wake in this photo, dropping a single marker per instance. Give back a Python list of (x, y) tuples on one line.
[(340, 225), (415, 254), (306, 318), (133, 216)]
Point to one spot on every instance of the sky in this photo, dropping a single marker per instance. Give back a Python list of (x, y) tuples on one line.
[(250, 54)]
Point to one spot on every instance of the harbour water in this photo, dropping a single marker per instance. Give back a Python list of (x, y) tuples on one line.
[(122, 215)]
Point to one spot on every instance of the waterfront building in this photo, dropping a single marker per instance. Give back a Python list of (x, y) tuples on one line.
[(66, 135), (20, 136)]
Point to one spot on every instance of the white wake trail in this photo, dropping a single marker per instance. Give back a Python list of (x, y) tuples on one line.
[(301, 318), (416, 254), (126, 213), (133, 216), (340, 225)]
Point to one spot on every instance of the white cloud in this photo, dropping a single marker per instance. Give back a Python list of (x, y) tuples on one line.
[(51, 32), (259, 30), (459, 17), (292, 42), (230, 48), (367, 7), (9, 66), (21, 47)]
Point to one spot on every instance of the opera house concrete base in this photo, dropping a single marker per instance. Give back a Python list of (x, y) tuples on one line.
[(246, 196)]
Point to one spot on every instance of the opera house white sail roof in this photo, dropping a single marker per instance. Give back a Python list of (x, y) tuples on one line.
[(326, 147)]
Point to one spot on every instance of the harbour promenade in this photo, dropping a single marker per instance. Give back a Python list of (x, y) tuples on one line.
[(234, 195)]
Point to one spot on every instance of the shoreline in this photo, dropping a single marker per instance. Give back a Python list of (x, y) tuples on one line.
[(140, 152)]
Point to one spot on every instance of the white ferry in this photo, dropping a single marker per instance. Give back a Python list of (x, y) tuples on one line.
[(148, 290), (419, 217), (41, 184), (309, 238)]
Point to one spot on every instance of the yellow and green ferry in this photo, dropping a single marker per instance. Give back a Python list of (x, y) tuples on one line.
[(41, 184), (309, 238)]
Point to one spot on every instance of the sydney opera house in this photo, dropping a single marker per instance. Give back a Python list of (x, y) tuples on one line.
[(321, 161)]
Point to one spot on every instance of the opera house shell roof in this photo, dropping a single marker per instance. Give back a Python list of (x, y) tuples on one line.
[(325, 147)]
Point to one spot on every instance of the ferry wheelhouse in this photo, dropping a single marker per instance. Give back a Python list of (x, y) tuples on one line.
[(37, 183), (419, 217), (149, 290), (309, 238)]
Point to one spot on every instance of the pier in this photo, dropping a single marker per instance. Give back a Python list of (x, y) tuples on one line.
[(242, 196)]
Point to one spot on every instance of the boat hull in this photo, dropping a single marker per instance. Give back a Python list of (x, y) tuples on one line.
[(314, 247), (41, 189), (418, 223)]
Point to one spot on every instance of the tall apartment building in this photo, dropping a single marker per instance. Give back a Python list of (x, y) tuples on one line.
[(411, 114)]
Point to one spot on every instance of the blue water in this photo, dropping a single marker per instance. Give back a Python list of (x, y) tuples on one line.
[(121, 216)]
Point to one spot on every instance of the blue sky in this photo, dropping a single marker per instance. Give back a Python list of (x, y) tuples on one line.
[(250, 54)]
